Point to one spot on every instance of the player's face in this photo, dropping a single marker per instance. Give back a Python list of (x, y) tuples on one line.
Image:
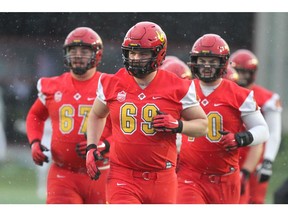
[(80, 56), (244, 77), (208, 66), (139, 57)]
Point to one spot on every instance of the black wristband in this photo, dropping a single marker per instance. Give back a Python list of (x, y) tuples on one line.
[(91, 146), (34, 141), (244, 138), (267, 164), (179, 128), (107, 147), (246, 173)]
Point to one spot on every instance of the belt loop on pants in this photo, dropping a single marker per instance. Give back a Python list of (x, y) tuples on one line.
[(216, 178), (145, 175)]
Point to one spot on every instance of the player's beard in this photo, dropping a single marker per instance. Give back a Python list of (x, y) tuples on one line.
[(79, 70)]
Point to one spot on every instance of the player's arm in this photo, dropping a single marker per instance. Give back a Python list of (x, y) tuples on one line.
[(273, 119), (256, 132), (96, 121), (249, 165), (195, 122), (35, 121), (257, 126), (252, 158), (95, 126)]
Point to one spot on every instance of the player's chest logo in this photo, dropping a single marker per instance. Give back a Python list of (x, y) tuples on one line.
[(58, 96), (205, 102), (141, 96), (121, 96), (77, 96)]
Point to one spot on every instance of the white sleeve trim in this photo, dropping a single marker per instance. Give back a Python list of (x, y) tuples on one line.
[(100, 91), (41, 95), (256, 124), (190, 99), (273, 119)]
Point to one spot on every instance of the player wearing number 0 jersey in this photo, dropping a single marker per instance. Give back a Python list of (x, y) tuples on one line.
[(208, 169), (148, 106), (67, 100)]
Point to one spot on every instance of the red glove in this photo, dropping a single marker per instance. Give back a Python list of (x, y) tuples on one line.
[(81, 149), (92, 156), (103, 148), (37, 152), (244, 175), (231, 141), (163, 122)]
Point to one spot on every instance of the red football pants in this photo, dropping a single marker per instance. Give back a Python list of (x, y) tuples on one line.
[(67, 187), (197, 188), (125, 186)]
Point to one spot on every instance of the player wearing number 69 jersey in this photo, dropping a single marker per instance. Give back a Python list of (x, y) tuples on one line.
[(148, 106), (67, 100), (208, 169)]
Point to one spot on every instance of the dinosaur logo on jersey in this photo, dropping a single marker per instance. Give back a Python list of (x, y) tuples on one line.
[(121, 96), (58, 96)]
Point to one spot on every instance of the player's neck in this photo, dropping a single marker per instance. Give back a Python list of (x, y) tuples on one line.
[(211, 84), (144, 82), (86, 76)]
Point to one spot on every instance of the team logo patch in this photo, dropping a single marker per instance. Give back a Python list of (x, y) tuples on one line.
[(58, 96), (141, 96), (77, 96), (121, 96), (204, 102), (168, 164)]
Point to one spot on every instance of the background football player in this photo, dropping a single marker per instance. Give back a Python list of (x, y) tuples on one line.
[(246, 64), (67, 100)]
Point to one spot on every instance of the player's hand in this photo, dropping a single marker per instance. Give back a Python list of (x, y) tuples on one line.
[(93, 155), (244, 175), (81, 149), (264, 171), (103, 148), (37, 150), (231, 141), (163, 122), (228, 141)]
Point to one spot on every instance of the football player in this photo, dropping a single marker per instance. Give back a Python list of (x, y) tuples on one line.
[(246, 64), (146, 115), (208, 169), (175, 65), (67, 100), (231, 74)]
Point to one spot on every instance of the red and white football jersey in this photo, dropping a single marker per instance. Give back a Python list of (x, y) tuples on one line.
[(223, 107), (68, 103), (137, 145)]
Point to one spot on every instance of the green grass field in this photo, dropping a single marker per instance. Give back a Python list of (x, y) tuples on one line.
[(18, 176)]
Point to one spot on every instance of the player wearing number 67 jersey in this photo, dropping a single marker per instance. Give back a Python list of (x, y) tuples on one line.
[(67, 100), (148, 106), (208, 169)]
